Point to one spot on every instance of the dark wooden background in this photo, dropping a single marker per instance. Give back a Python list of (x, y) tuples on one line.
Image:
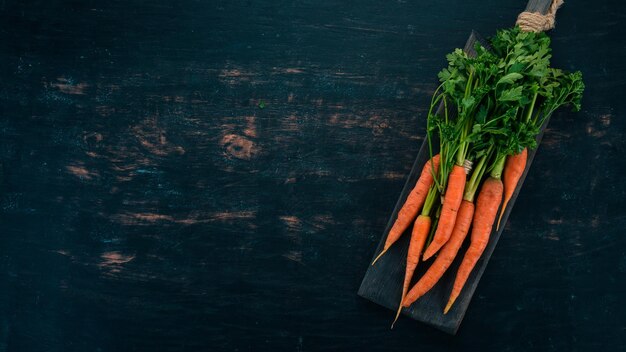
[(215, 175)]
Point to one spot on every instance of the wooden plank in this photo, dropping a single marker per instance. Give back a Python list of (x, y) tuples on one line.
[(382, 283)]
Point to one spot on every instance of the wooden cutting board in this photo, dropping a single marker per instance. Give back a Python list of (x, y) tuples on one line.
[(382, 283)]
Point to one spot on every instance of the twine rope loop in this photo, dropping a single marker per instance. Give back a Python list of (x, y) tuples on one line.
[(536, 22)]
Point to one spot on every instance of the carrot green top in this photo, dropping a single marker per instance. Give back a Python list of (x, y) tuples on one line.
[(499, 99)]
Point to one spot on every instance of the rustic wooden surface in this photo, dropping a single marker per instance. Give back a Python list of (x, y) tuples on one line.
[(148, 202)]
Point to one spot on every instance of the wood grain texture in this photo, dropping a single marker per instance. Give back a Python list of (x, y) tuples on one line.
[(147, 202)]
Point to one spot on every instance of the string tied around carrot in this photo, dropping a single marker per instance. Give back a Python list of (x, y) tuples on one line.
[(537, 22), (467, 165)]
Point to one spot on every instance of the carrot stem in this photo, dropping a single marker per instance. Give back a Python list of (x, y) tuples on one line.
[(532, 107), (430, 200), (498, 166), (433, 228), (477, 175)]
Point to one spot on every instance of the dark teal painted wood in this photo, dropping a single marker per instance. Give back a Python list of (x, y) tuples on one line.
[(147, 202)]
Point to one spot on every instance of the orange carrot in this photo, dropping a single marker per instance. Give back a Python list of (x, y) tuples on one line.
[(461, 228), (513, 170), (418, 238), (446, 256), (451, 202), (412, 205), (487, 206)]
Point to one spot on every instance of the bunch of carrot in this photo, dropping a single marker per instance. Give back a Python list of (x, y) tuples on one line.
[(492, 107)]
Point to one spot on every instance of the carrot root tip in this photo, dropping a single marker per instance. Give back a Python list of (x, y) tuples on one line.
[(397, 316), (380, 255), (501, 214), (449, 305), (428, 254)]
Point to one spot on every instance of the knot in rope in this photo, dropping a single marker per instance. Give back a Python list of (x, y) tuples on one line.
[(536, 22)]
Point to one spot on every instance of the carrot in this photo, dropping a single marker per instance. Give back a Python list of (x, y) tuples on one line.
[(421, 230), (513, 170), (418, 239), (451, 202), (446, 256), (487, 206), (412, 205), (461, 228)]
